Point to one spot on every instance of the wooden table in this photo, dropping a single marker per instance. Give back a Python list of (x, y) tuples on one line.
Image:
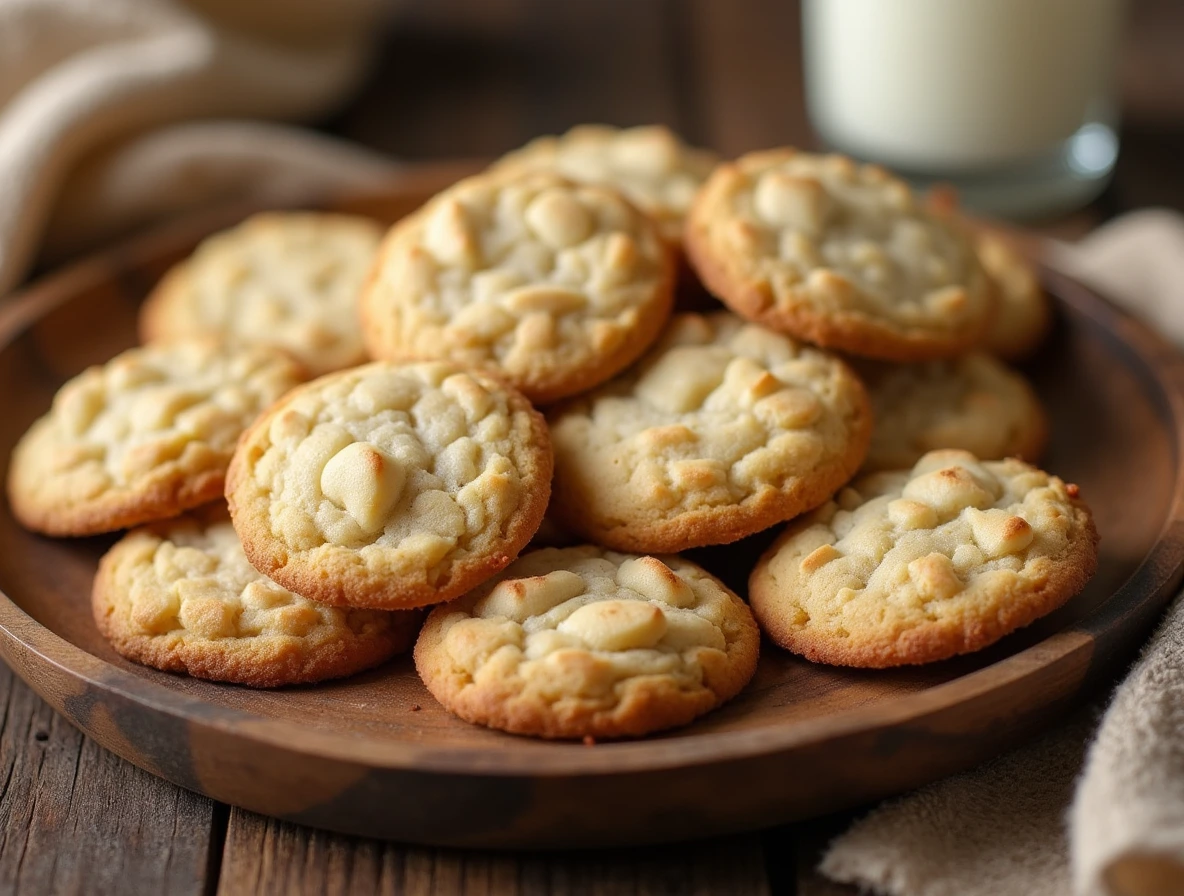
[(474, 79)]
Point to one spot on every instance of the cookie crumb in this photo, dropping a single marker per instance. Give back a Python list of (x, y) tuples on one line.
[(589, 740), (415, 707), (1072, 489)]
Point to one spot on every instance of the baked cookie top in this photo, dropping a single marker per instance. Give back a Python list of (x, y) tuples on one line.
[(576, 642), (655, 170), (180, 596), (1024, 315), (974, 403), (391, 485), (556, 285), (290, 279), (840, 254), (917, 566), (143, 437), (722, 430)]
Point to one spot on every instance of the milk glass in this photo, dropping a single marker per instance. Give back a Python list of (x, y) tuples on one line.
[(1012, 101)]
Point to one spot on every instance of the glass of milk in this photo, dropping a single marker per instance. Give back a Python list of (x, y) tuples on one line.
[(1012, 101)]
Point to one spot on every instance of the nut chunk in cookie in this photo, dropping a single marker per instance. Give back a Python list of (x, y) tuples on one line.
[(722, 430), (391, 485), (289, 279), (578, 642), (180, 596), (556, 285), (924, 564), (143, 437), (840, 254)]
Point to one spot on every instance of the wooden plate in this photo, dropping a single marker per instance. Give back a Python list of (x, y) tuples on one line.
[(375, 755)]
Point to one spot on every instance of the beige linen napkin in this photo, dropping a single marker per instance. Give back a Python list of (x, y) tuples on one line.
[(93, 94), (1036, 822)]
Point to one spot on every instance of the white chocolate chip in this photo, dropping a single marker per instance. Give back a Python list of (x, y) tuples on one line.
[(908, 514), (364, 481), (682, 378), (617, 624), (448, 234), (789, 201), (1000, 533), (519, 599), (948, 491), (652, 578), (935, 577), (558, 219)]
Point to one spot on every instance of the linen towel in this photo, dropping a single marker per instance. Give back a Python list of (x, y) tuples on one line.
[(1037, 822), (92, 93)]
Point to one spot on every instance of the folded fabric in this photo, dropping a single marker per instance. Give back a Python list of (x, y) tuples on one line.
[(77, 77), (1001, 828)]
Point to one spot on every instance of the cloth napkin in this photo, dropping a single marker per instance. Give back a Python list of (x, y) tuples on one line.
[(1094, 808), (114, 112)]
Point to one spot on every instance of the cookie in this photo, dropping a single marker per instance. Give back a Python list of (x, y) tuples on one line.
[(974, 403), (840, 254), (921, 565), (655, 170), (1024, 314), (722, 430), (391, 486), (143, 437), (180, 596), (582, 642), (557, 286), (289, 279)]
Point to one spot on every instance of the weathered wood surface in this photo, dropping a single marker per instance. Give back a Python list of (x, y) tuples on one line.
[(77, 819), (263, 855)]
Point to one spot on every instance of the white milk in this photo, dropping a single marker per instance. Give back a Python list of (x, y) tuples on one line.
[(947, 86)]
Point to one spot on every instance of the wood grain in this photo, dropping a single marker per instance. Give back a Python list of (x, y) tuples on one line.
[(77, 819), (263, 855)]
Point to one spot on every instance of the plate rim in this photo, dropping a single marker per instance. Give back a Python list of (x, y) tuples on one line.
[(1158, 574)]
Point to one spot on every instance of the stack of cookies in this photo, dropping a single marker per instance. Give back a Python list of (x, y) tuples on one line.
[(538, 435)]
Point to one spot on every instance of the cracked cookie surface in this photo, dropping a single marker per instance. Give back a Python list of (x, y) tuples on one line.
[(143, 437), (391, 485), (722, 430), (973, 403), (840, 254), (655, 170), (555, 285), (918, 566), (180, 596), (289, 279), (577, 642)]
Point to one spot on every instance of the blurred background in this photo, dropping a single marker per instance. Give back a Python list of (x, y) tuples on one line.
[(477, 77)]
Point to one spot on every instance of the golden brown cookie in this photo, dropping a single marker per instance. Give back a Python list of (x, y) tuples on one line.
[(582, 642), (655, 170), (288, 279), (921, 565), (974, 403), (1024, 313), (722, 430), (180, 596), (840, 254), (555, 285), (391, 486), (143, 437)]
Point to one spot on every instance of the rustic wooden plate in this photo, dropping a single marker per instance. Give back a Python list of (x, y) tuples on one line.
[(375, 754)]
